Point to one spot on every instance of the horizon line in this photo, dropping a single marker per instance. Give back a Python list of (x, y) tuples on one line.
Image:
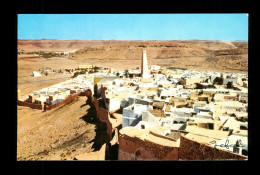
[(136, 39)]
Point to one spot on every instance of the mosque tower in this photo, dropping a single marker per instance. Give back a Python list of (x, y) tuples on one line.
[(144, 66)]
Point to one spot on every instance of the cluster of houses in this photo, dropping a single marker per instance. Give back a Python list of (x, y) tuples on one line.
[(183, 101), (58, 92), (203, 107)]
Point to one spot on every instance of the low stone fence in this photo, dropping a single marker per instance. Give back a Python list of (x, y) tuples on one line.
[(31, 105), (68, 99)]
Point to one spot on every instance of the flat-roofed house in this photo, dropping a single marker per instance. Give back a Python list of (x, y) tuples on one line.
[(86, 67), (197, 144), (147, 144)]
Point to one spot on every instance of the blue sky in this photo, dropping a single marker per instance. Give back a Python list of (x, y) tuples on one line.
[(134, 26)]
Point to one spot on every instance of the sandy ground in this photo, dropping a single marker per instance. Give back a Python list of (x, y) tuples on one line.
[(26, 65), (58, 134)]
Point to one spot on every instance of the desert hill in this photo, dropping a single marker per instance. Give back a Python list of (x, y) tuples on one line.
[(221, 56)]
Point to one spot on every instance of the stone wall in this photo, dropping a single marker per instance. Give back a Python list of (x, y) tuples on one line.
[(68, 99), (31, 105), (133, 148), (148, 117), (113, 105), (104, 116), (192, 150), (133, 114), (130, 121)]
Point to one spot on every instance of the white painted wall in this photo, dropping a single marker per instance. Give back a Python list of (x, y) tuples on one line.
[(114, 104)]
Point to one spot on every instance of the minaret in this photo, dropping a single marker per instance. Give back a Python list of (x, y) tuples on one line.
[(144, 70)]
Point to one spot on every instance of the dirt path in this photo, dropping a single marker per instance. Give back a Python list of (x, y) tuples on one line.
[(230, 43)]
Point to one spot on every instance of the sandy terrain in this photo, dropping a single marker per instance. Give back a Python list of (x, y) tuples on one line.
[(222, 56), (26, 65), (59, 134)]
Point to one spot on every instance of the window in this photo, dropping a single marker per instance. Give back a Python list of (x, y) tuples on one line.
[(242, 127), (225, 128), (211, 126)]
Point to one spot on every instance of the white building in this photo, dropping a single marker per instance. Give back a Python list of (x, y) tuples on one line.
[(36, 74)]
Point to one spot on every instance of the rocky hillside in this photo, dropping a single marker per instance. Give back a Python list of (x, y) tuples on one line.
[(192, 54)]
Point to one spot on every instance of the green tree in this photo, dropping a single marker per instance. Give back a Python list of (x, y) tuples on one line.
[(96, 69), (126, 73)]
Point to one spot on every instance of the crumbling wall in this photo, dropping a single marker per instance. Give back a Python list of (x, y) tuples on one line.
[(192, 150), (133, 148), (31, 105), (115, 138), (103, 95), (95, 103), (104, 116)]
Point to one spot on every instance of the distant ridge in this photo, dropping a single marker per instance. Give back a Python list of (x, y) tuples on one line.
[(208, 54)]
